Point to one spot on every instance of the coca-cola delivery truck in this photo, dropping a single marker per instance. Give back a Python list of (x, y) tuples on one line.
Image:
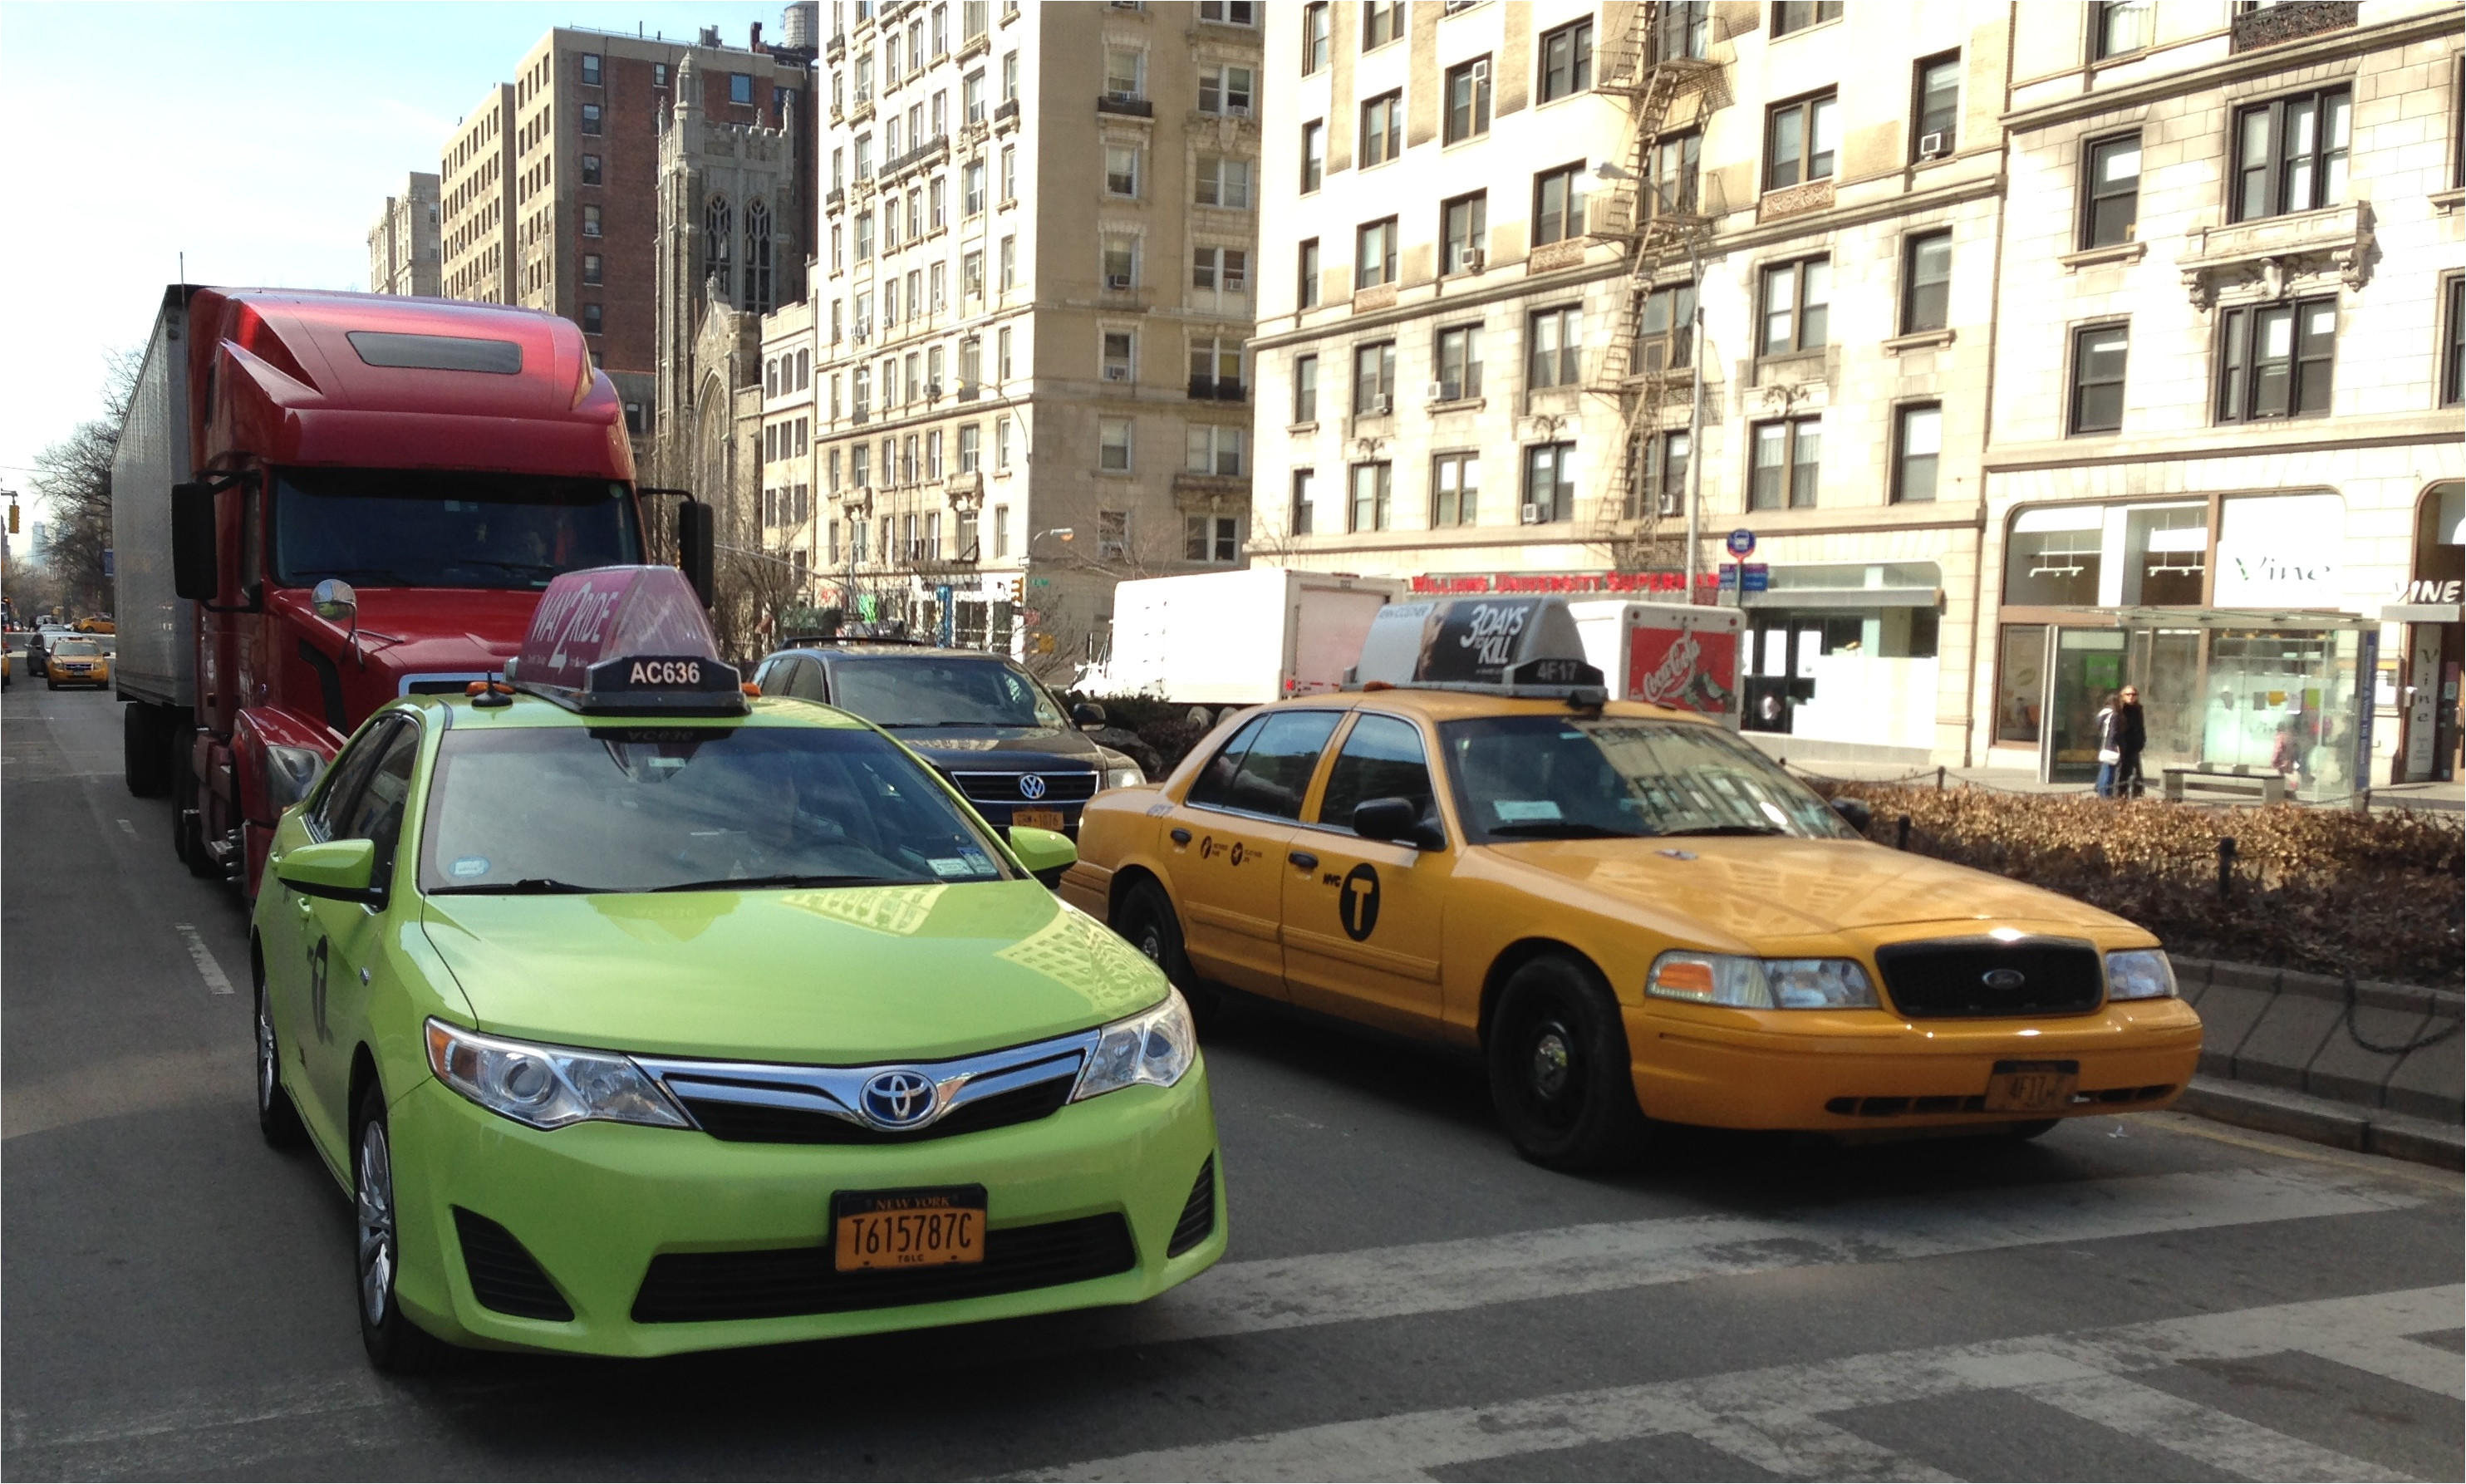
[(322, 502), (1668, 654)]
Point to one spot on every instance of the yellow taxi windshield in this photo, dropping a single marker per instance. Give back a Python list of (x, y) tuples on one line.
[(77, 650), (1552, 777)]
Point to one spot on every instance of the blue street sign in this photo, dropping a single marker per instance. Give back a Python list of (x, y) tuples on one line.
[(1729, 577), (1742, 541), (1754, 577)]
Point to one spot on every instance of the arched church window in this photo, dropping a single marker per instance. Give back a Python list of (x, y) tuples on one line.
[(718, 237), (757, 256)]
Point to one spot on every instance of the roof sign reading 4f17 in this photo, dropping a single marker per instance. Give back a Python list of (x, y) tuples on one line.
[(1515, 644), (625, 639)]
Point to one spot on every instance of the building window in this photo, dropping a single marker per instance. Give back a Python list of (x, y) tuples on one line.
[(971, 450), (1785, 460), (2453, 340), (1213, 448), (1455, 490), (659, 75), (972, 274), (1374, 493), (1549, 484), (1374, 254), (1226, 90), (1002, 353), (1121, 255), (1681, 29), (1566, 60), (1124, 69), (2275, 360), (1926, 282), (1917, 440), (1001, 446), (1796, 305), (1010, 77), (740, 88), (1658, 483), (1117, 355), (1114, 445), (1314, 32), (864, 236), (591, 170), (1677, 165), (1465, 229), (1216, 368), (1467, 101), (1112, 536), (1665, 336), (940, 194), (1801, 140), (1211, 538), (972, 189), (1122, 170), (1458, 363), (2114, 194), (1382, 128), (1225, 183), (1555, 349), (1313, 155), (972, 97), (2118, 27), (590, 69), (1381, 21), (1009, 264), (591, 319), (1788, 15), (1306, 274), (1374, 379), (757, 258), (1935, 107), (2098, 353), (1558, 204), (1305, 389), (590, 118), (591, 221), (1223, 272), (590, 268), (1304, 501), (2291, 155), (1229, 13)]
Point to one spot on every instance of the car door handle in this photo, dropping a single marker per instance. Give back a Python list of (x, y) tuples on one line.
[(1302, 859), (1180, 836)]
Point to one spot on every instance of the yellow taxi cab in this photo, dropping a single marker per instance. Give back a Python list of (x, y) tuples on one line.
[(1631, 913), (101, 623), (77, 662)]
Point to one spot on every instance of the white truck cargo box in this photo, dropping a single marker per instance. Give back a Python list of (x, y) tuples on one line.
[(157, 632), (1240, 638), (1668, 654)]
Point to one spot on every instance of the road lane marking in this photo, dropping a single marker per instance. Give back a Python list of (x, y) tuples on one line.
[(2411, 1362), (1437, 1277), (1712, 1407), (128, 830), (2219, 1439), (206, 969)]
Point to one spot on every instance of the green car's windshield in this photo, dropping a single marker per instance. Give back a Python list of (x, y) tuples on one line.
[(1549, 777), (933, 691), (564, 809)]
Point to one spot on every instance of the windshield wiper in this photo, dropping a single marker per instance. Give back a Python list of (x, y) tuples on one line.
[(1729, 829), (528, 886), (756, 882), (1566, 829)]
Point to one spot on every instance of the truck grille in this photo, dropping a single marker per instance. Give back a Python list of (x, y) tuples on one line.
[(1004, 788), (684, 1287), (1951, 979)]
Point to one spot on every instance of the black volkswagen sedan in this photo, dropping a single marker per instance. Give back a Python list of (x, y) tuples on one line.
[(979, 718)]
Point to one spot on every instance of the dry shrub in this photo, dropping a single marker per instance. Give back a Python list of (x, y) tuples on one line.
[(2326, 890)]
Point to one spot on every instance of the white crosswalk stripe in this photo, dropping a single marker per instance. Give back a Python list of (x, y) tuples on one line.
[(2410, 1361), (2084, 1372)]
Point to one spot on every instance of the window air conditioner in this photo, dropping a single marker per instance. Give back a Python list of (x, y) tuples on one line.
[(1117, 374), (1380, 406), (1532, 514), (1117, 280), (932, 389), (1933, 144), (1481, 71), (1434, 391), (1474, 260)]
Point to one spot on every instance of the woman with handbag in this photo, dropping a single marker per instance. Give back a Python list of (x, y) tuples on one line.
[(2121, 735)]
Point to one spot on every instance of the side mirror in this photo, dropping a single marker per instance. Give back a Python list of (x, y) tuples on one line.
[(336, 601), (1398, 821), (1086, 716), (197, 568), (1856, 811), (1039, 850), (696, 547), (339, 870)]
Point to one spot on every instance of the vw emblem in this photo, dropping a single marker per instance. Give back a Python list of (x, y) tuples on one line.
[(1031, 785), (2005, 980), (897, 1100)]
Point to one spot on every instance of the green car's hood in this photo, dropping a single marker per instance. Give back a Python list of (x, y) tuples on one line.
[(834, 977)]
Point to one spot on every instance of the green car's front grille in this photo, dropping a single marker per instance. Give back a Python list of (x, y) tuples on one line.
[(756, 1123), (687, 1286)]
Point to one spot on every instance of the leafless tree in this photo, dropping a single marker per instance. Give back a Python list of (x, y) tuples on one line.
[(74, 477)]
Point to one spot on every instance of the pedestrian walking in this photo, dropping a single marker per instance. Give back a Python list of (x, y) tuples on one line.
[(2121, 735)]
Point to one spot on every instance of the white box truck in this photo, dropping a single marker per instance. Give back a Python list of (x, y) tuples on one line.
[(1238, 638), (1667, 654)]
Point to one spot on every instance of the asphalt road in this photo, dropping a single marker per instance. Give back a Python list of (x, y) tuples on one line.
[(2154, 1298)]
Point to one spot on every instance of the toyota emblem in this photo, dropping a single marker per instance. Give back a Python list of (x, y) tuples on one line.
[(1031, 785), (897, 1100), (2004, 980)]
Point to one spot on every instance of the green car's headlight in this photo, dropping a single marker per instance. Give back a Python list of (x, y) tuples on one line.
[(1761, 983), (546, 1087), (2140, 973), (1155, 1045)]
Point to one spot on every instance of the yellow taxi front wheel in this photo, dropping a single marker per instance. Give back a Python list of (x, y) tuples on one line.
[(1559, 1067)]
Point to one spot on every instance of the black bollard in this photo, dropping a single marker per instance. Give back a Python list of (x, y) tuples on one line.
[(2226, 864), (1901, 833), (1938, 777)]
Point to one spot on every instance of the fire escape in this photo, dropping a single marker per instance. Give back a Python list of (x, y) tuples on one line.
[(1662, 209)]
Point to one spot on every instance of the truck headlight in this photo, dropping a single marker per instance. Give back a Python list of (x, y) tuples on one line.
[(2140, 973), (1761, 983), (1155, 1045), (546, 1087)]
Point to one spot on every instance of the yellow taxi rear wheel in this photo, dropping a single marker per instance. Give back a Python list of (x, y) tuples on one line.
[(1558, 1070)]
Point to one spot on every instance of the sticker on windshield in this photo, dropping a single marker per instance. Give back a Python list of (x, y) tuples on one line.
[(979, 864), (1518, 810), (971, 864), (470, 865)]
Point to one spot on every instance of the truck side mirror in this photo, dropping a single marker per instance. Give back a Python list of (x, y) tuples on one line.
[(195, 565), (696, 545)]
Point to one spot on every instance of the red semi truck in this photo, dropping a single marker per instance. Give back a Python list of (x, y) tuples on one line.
[(322, 502)]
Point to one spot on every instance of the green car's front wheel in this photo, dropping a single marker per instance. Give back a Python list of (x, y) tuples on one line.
[(395, 1343), (277, 1119)]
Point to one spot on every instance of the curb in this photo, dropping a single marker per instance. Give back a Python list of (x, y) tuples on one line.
[(2317, 1120)]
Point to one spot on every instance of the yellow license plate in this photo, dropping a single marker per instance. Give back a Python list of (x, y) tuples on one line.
[(909, 1228), (2031, 1087), (1037, 819)]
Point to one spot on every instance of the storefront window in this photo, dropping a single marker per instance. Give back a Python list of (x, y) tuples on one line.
[(2166, 553), (2020, 682), (2283, 701), (2053, 557)]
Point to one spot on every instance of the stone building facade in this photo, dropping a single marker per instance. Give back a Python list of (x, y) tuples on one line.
[(477, 201), (404, 253)]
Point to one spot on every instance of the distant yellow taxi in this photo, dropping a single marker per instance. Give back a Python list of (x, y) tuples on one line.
[(1632, 914), (77, 662)]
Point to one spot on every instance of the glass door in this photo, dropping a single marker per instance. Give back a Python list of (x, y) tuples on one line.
[(2088, 672)]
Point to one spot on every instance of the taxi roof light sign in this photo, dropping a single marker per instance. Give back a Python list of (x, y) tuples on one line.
[(626, 640), (1515, 647)]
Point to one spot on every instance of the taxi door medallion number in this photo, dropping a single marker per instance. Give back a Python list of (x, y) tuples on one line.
[(2031, 1087), (932, 1226)]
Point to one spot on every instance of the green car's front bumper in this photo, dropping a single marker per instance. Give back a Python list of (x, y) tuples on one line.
[(650, 1236)]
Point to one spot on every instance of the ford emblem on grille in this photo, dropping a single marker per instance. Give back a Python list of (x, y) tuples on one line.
[(1031, 785), (2005, 980), (897, 1100)]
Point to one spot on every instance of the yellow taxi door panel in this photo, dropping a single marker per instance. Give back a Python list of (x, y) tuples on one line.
[(1227, 843), (345, 939), (1363, 917)]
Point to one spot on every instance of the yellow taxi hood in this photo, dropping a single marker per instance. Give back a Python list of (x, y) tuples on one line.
[(1759, 888)]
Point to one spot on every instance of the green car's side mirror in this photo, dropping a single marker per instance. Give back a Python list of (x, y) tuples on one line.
[(338, 870), (1041, 850)]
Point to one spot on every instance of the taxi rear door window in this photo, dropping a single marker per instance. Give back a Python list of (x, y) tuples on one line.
[(1275, 772), (1381, 758)]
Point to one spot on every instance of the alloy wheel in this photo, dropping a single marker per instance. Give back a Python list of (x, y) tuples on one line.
[(375, 1220)]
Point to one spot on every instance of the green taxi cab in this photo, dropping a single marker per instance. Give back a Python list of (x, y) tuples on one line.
[(635, 1016), (1629, 912)]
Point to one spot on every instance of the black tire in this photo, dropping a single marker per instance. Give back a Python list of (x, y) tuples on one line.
[(276, 1120), (2035, 1128), (1148, 922), (1560, 1073), (395, 1343)]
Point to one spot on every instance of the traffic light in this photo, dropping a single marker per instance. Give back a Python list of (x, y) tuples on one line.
[(13, 517)]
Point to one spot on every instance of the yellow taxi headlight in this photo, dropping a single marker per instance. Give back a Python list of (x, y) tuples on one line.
[(1746, 983), (2140, 973)]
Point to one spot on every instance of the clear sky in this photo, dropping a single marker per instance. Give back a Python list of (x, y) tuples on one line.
[(259, 139)]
